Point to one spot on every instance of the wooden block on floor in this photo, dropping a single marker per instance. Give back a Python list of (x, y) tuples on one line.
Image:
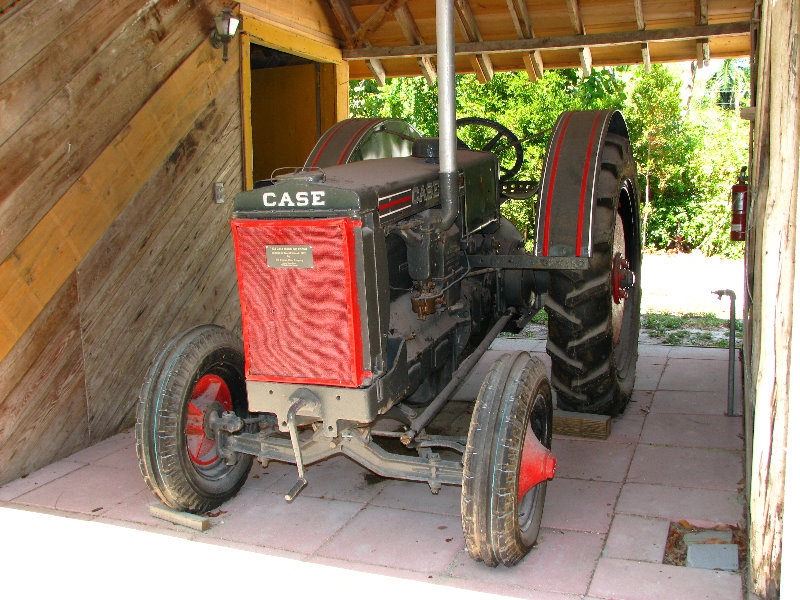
[(581, 424), (180, 518)]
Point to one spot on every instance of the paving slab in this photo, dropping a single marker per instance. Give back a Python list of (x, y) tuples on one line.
[(708, 468), (592, 460), (641, 399), (45, 475), (654, 350), (561, 561), (502, 590), (108, 446), (713, 556), (637, 538), (692, 375), (268, 520), (699, 507), (699, 353), (700, 431), (417, 496), (405, 539), (692, 403), (579, 505), (648, 373), (338, 478), (619, 579), (91, 490), (627, 428)]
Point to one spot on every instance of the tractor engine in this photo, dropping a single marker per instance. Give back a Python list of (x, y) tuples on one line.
[(351, 289)]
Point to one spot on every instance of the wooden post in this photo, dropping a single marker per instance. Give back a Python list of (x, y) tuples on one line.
[(773, 254)]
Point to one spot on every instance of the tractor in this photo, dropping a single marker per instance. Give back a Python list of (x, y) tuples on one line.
[(372, 280)]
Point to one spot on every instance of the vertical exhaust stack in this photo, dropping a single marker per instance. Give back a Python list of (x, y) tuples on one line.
[(446, 74)]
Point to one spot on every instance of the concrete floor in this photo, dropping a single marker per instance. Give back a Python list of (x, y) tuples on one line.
[(671, 456)]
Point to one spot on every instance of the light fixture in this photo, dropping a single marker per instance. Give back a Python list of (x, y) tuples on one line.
[(225, 25)]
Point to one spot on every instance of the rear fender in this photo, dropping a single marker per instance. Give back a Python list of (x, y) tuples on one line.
[(567, 200)]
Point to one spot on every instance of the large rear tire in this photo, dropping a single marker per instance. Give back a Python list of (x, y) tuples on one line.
[(593, 315), (198, 371), (501, 508)]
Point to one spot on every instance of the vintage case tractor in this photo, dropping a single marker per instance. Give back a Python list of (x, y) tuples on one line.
[(372, 280)]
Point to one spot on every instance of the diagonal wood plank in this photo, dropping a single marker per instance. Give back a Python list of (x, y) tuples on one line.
[(349, 25), (374, 21), (642, 25), (465, 18), (521, 18), (701, 18), (413, 35), (50, 252), (584, 54)]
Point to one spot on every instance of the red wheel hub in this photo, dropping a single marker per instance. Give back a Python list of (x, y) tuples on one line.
[(538, 464), (209, 390), (622, 278)]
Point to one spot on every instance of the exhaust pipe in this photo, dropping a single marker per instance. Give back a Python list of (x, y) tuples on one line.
[(446, 74)]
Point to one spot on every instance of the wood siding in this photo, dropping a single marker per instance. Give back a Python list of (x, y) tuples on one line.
[(772, 274), (116, 120)]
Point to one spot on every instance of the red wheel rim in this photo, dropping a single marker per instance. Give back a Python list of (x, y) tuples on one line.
[(210, 389)]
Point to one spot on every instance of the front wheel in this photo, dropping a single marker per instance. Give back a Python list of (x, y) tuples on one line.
[(198, 372), (507, 461)]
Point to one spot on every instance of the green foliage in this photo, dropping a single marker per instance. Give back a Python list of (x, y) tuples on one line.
[(688, 152)]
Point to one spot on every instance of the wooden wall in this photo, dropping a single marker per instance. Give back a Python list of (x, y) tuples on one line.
[(116, 119), (773, 336)]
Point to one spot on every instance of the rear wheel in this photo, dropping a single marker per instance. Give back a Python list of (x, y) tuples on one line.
[(593, 315), (507, 464), (198, 372)]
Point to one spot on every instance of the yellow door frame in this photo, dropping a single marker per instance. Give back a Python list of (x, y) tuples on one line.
[(334, 77)]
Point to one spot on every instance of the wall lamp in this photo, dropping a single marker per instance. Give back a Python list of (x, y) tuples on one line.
[(225, 25)]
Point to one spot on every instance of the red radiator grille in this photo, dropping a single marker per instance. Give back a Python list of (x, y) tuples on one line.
[(300, 323)]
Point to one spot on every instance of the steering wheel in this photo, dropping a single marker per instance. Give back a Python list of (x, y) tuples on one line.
[(486, 135)]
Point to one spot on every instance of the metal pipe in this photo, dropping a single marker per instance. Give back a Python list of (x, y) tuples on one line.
[(458, 376), (731, 348), (446, 75)]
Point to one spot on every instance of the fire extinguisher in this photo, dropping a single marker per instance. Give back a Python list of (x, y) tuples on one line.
[(740, 205)]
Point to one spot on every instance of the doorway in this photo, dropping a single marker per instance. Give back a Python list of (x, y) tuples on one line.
[(285, 109)]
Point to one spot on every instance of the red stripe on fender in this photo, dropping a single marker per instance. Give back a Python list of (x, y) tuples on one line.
[(395, 202), (322, 149), (583, 185), (546, 241), (353, 139)]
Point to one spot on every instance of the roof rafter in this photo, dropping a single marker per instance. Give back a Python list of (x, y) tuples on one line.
[(701, 18), (584, 54), (642, 25), (469, 28), (522, 24), (411, 32), (349, 24), (615, 38), (374, 21)]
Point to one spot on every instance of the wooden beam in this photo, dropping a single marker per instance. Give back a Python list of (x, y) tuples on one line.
[(374, 21), (289, 42), (642, 25), (584, 54), (521, 18), (465, 18), (701, 18), (616, 38), (349, 24), (413, 35)]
